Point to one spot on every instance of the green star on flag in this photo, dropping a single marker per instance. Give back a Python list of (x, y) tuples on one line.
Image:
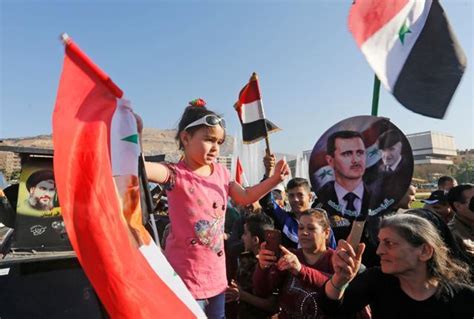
[(131, 138), (403, 31), (325, 173), (373, 152)]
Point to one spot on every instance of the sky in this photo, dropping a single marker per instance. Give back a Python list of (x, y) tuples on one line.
[(165, 53)]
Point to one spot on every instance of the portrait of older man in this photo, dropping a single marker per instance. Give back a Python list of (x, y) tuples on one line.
[(41, 190)]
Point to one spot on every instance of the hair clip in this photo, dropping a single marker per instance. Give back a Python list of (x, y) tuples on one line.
[(198, 103)]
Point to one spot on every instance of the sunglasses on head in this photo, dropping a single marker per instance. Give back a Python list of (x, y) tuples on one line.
[(209, 120)]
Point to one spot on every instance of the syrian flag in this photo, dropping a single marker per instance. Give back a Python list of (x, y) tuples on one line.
[(96, 151), (411, 47), (239, 171), (249, 107)]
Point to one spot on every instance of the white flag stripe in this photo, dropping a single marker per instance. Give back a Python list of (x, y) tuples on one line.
[(384, 50), (164, 270), (252, 112), (125, 162), (124, 154), (372, 155)]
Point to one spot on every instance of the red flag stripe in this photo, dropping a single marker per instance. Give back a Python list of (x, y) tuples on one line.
[(366, 17), (251, 92)]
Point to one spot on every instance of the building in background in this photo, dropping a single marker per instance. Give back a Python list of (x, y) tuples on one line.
[(432, 148), (434, 154), (464, 156)]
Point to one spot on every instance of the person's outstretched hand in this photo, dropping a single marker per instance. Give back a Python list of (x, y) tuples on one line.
[(346, 262), (289, 261), (282, 170)]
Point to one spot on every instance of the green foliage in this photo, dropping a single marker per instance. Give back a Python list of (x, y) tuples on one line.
[(463, 172)]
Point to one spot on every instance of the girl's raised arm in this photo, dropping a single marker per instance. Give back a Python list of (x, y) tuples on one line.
[(245, 196), (156, 172)]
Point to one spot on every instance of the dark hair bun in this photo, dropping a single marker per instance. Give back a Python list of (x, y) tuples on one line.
[(198, 103)]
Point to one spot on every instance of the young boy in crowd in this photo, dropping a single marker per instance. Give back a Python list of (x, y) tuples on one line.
[(241, 290), (299, 197)]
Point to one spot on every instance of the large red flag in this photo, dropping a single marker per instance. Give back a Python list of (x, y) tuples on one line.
[(96, 169)]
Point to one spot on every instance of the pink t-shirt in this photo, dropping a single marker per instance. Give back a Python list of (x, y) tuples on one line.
[(195, 245)]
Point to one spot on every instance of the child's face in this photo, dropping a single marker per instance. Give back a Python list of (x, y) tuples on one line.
[(299, 198), (247, 238), (202, 147)]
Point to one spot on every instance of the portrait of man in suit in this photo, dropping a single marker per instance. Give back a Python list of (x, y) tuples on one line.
[(393, 168), (390, 146), (346, 198), (360, 168)]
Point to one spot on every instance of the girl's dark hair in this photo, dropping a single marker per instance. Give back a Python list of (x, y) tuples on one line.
[(194, 111)]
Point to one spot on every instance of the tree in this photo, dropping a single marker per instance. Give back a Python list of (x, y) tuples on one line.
[(464, 172)]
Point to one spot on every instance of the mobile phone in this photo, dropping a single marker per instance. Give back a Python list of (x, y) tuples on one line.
[(273, 239)]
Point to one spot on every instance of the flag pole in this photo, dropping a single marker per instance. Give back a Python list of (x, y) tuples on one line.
[(358, 225), (375, 96), (76, 53), (268, 145)]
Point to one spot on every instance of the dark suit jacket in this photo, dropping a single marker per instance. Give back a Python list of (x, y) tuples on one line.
[(390, 185), (340, 222), (341, 225)]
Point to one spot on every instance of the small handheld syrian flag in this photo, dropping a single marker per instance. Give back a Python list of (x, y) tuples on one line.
[(239, 171), (96, 154), (412, 48), (249, 107)]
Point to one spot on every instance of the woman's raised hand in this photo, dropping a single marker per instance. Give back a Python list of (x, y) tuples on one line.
[(289, 261), (346, 262)]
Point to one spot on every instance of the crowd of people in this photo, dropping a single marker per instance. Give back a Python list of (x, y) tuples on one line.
[(420, 265)]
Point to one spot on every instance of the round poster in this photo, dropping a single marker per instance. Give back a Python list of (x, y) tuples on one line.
[(361, 165)]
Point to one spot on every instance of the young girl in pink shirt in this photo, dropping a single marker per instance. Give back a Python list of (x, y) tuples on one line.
[(198, 189)]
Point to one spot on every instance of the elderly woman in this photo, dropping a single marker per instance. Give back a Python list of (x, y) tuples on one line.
[(298, 276), (417, 278)]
